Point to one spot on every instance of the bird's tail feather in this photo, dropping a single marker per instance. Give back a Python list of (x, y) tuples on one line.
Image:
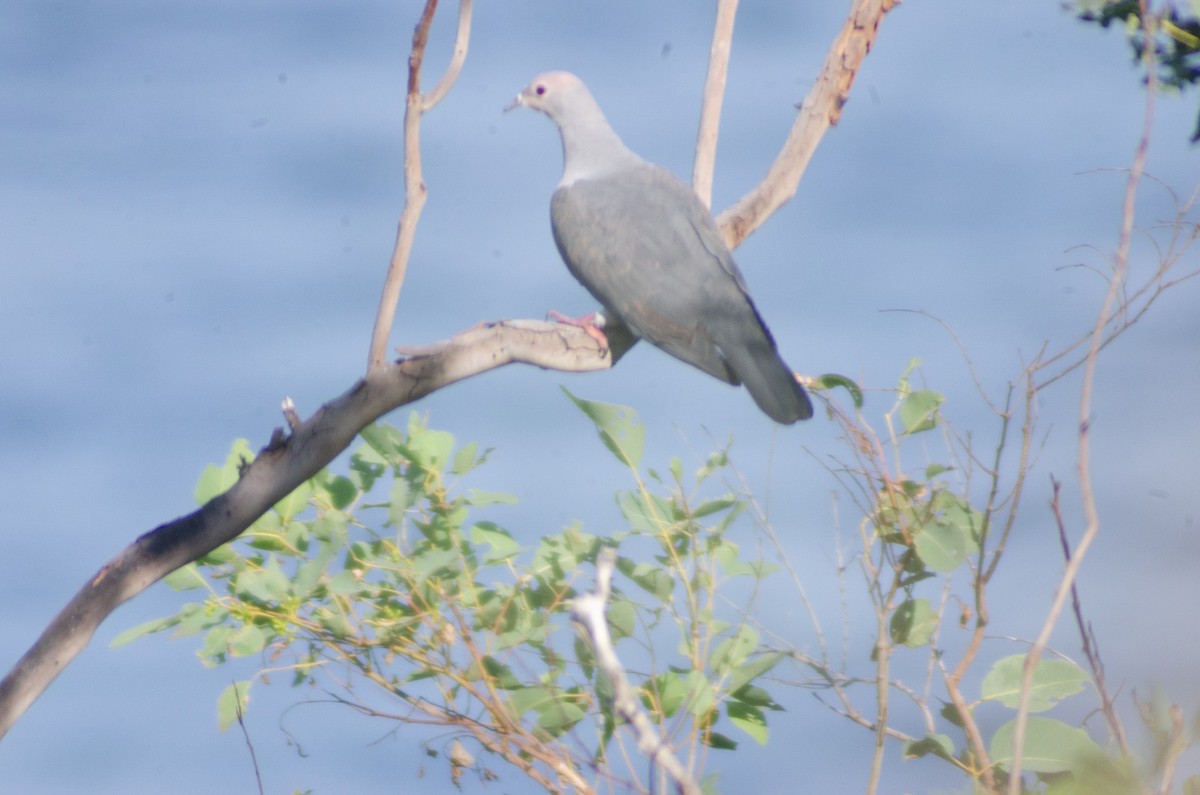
[(770, 381)]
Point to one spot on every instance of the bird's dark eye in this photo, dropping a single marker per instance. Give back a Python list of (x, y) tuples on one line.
[(540, 90)]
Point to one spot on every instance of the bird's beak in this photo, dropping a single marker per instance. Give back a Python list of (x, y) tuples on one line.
[(517, 102)]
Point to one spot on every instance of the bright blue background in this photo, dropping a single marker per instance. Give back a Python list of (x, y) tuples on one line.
[(197, 205)]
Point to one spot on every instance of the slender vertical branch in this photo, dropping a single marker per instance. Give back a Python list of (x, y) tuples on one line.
[(714, 96), (414, 194), (1086, 488), (1090, 648)]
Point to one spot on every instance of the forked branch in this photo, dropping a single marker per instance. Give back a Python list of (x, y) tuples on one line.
[(820, 110)]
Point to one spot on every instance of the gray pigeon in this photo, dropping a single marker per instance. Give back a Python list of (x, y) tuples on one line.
[(647, 248)]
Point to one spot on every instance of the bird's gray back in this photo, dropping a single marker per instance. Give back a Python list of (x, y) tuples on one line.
[(645, 246)]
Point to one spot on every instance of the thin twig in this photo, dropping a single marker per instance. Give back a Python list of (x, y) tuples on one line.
[(237, 708), (1177, 745), (1090, 649), (589, 612), (714, 96), (461, 40), (1086, 488)]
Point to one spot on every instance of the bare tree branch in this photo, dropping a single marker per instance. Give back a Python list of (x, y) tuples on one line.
[(415, 192), (293, 456), (588, 611), (820, 110), (286, 462), (461, 40), (714, 95)]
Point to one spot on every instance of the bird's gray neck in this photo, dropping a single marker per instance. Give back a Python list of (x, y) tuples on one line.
[(590, 147)]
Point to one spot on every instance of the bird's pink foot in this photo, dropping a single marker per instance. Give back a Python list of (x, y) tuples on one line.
[(592, 323)]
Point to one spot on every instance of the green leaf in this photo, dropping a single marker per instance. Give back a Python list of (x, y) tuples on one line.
[(716, 462), (753, 669), (951, 713), (500, 540), (342, 491), (309, 573), (712, 506), (558, 717), (1050, 747), (1053, 680), (918, 410), (732, 652), (935, 744), (719, 741), (428, 449), (333, 622), (525, 699), (465, 459), (499, 673), (651, 578), (942, 547), (385, 441), (755, 697), (476, 497), (958, 513), (621, 619), (642, 517), (185, 578), (700, 696), (366, 467), (196, 618), (145, 628), (216, 480), (830, 380), (268, 585), (913, 623), (401, 496), (345, 583), (618, 428), (749, 719), (666, 693), (222, 554), (294, 503), (216, 643), (233, 699), (248, 640)]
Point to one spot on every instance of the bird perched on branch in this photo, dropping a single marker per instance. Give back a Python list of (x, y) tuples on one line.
[(649, 251)]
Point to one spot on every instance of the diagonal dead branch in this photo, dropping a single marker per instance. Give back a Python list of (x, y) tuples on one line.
[(819, 111), (286, 462)]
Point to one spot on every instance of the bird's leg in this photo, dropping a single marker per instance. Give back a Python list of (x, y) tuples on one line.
[(592, 323)]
